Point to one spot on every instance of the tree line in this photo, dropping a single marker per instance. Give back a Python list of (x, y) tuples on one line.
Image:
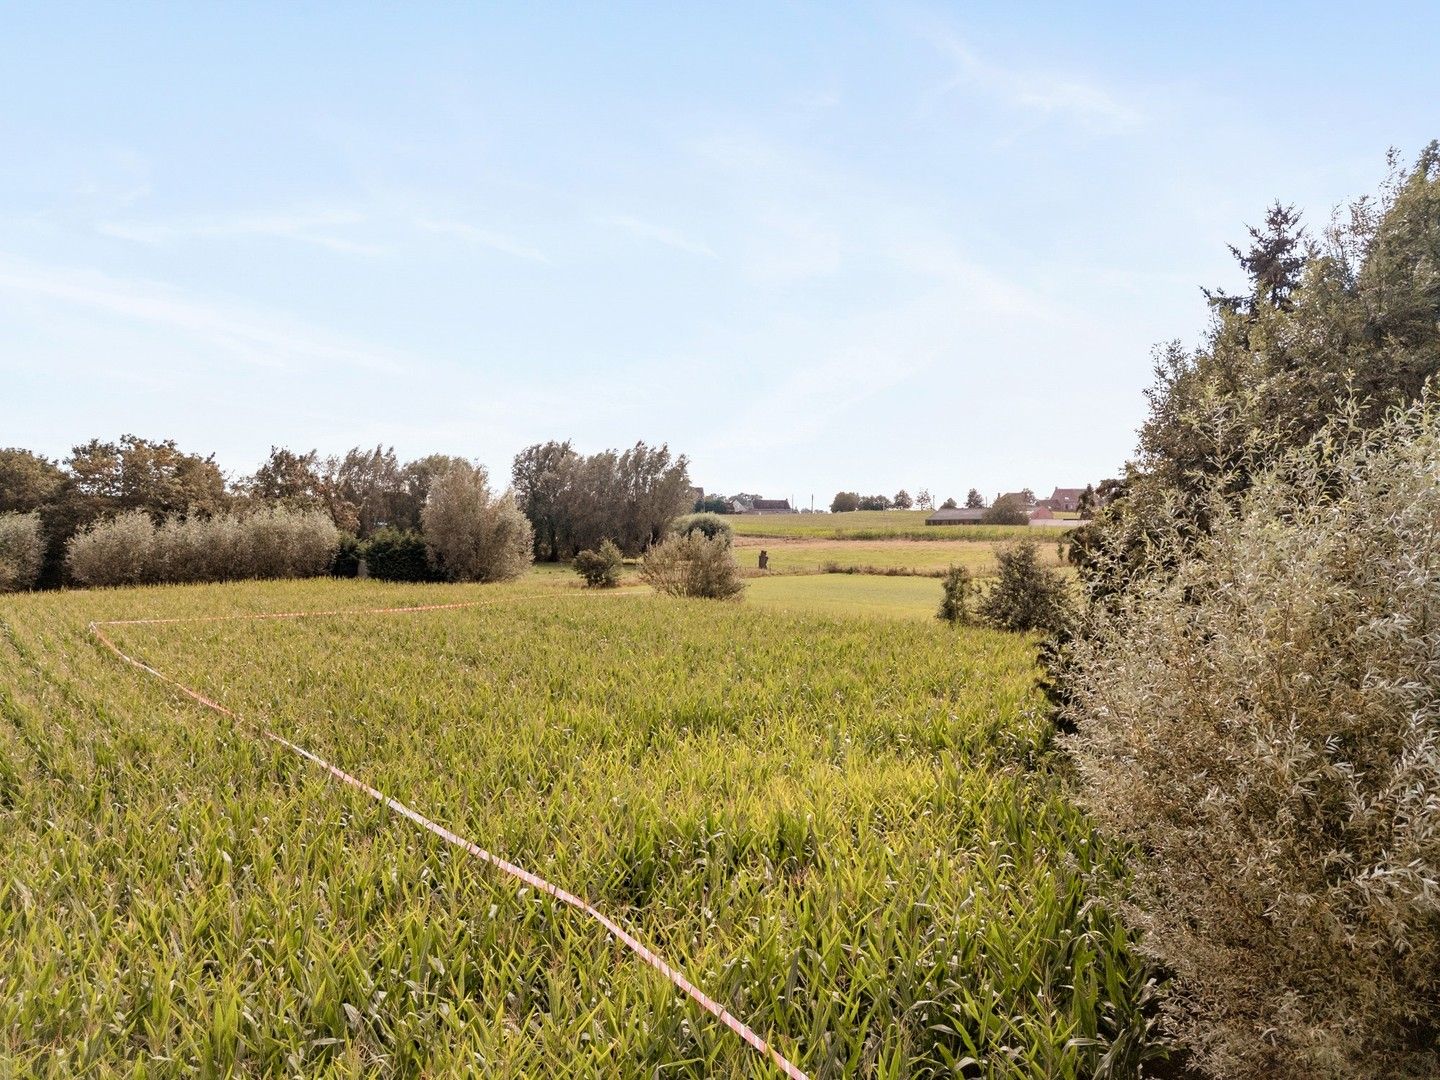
[(571, 501)]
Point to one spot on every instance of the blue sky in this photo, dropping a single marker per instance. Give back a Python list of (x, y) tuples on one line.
[(812, 246)]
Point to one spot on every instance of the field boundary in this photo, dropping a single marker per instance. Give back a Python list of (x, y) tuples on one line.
[(709, 1004)]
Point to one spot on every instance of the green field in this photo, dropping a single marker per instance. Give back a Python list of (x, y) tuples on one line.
[(792, 556), (881, 525), (846, 594), (843, 828)]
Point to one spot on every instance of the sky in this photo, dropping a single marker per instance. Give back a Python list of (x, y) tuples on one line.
[(813, 247)]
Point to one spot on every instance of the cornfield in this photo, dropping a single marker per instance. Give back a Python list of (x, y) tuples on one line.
[(847, 831)]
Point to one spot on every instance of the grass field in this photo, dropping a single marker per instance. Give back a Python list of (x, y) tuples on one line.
[(883, 525), (846, 595), (803, 556), (844, 828)]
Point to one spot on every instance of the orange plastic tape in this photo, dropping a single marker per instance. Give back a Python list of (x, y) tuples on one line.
[(709, 1004)]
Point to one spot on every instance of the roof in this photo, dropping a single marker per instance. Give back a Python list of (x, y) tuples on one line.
[(1066, 493), (770, 504), (955, 515)]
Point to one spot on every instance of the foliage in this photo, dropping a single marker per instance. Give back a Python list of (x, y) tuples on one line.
[(474, 535), (692, 565), (1260, 720), (884, 891), (973, 500), (27, 481), (140, 474), (131, 549), (1026, 594), (844, 502), (574, 502), (1088, 503), (400, 555), (1355, 318), (22, 550), (600, 568), (711, 504), (348, 553), (950, 504), (1008, 510), (875, 502), (923, 500), (708, 525), (902, 500), (117, 551), (959, 588)]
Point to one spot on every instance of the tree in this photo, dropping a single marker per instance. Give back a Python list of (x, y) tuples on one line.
[(1025, 595), (958, 588), (364, 490), (27, 481), (1008, 510), (712, 504), (874, 502), (1087, 503), (844, 502), (539, 476), (949, 504), (288, 478), (473, 535), (139, 474), (416, 478), (576, 502), (974, 500), (902, 500), (1273, 263), (923, 500)]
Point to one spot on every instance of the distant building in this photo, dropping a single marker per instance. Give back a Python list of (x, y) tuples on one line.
[(956, 516), (771, 506), (1066, 500), (1041, 513)]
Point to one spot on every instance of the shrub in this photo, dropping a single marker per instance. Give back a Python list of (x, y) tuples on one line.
[(959, 586), (692, 566), (472, 535), (348, 553), (116, 551), (709, 525), (601, 568), (1008, 510), (130, 549), (22, 551), (400, 555), (1025, 595), (1260, 717)]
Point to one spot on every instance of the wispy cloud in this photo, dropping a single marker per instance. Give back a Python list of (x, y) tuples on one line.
[(255, 337), (660, 234), (484, 238), (310, 228), (1040, 91)]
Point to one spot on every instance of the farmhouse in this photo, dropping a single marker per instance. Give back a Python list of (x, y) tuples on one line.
[(961, 516), (1066, 500), (771, 506)]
